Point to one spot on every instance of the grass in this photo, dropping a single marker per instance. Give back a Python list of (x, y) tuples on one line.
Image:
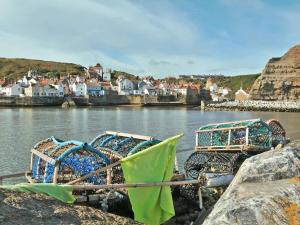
[(16, 68)]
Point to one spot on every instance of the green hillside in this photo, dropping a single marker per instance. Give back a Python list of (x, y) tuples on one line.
[(235, 82), (15, 68)]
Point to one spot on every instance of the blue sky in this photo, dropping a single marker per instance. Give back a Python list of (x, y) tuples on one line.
[(158, 37)]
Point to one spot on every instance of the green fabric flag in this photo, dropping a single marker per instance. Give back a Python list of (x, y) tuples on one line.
[(151, 205), (60, 192)]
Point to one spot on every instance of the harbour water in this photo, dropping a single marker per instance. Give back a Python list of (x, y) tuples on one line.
[(21, 128)]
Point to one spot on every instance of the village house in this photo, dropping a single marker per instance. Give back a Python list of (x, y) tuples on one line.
[(106, 76), (145, 87), (32, 90), (241, 95), (78, 89), (61, 89), (164, 89), (43, 89), (95, 71), (12, 90), (125, 86), (93, 87)]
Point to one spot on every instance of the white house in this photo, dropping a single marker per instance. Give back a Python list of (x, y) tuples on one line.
[(79, 89), (213, 88), (12, 90), (164, 89), (125, 86), (60, 88), (106, 76)]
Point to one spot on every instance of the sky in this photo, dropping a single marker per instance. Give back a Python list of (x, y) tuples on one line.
[(158, 37)]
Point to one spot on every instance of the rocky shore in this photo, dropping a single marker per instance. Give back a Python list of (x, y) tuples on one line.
[(266, 190), (252, 105)]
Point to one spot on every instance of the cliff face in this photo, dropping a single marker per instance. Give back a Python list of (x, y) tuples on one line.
[(280, 79)]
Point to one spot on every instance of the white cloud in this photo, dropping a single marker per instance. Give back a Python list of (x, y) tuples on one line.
[(151, 37)]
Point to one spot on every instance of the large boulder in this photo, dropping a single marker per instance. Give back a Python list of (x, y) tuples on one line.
[(266, 190), (34, 209)]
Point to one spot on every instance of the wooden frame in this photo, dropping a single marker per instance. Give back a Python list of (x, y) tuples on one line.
[(137, 136)]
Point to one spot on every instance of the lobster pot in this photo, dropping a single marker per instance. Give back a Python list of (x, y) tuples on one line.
[(122, 144), (116, 145), (56, 161), (248, 135), (278, 132)]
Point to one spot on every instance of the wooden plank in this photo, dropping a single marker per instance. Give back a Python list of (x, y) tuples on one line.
[(136, 185), (103, 169), (220, 129), (137, 136), (31, 161), (44, 157)]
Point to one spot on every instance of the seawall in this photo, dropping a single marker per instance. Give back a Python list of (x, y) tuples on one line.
[(104, 100), (31, 101)]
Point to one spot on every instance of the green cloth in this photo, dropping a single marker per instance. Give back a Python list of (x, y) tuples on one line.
[(60, 192), (151, 205)]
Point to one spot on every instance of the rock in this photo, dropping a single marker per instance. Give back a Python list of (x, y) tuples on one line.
[(280, 79), (28, 208), (266, 190)]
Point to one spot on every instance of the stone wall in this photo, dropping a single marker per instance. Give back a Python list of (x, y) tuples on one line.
[(31, 101)]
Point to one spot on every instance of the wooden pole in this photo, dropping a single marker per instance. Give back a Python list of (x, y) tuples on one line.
[(109, 176), (31, 161), (55, 175), (136, 185), (229, 137)]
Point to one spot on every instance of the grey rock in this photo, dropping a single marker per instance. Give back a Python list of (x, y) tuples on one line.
[(266, 190)]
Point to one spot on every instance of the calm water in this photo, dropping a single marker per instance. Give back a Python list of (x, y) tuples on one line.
[(21, 128)]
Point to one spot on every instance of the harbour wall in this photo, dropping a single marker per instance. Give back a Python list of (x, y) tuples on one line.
[(31, 101), (104, 100)]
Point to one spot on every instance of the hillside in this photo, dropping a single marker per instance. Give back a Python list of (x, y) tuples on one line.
[(15, 68), (235, 82)]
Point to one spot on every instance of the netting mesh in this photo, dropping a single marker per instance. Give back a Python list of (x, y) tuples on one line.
[(75, 159), (235, 133), (278, 132)]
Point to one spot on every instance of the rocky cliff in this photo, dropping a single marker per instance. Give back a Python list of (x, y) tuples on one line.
[(266, 190), (280, 79)]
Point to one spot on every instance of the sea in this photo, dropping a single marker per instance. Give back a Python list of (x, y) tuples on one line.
[(21, 128)]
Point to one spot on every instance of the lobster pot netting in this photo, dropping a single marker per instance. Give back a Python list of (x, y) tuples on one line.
[(235, 133), (201, 163), (117, 147), (278, 132), (74, 159), (122, 145)]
